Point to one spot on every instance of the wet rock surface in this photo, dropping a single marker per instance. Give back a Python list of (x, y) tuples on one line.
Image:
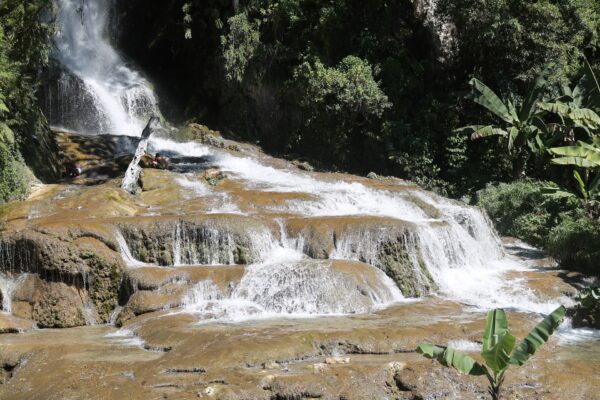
[(353, 357)]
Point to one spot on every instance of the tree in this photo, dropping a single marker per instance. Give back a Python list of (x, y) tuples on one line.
[(499, 351), (341, 105)]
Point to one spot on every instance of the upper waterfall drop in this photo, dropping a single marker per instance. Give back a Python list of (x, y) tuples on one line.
[(96, 91)]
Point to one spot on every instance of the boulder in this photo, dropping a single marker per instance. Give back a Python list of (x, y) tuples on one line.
[(64, 269)]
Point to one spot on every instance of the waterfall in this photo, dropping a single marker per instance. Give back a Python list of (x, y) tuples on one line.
[(8, 285), (295, 287), (455, 243), (212, 245), (96, 92), (129, 259)]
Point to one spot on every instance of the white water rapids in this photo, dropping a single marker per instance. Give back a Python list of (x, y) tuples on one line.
[(460, 249)]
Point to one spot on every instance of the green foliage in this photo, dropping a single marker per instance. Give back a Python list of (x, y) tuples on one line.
[(574, 243), (543, 215), (340, 105), (587, 310), (239, 46), (14, 176), (499, 351), (525, 210), (585, 157), (522, 37), (24, 46)]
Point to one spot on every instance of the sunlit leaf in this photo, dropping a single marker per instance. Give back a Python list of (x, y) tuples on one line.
[(538, 336)]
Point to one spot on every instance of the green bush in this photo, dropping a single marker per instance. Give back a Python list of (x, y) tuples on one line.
[(521, 209), (559, 224), (341, 105), (575, 243), (14, 177), (587, 311)]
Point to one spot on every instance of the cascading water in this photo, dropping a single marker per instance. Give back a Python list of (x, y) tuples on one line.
[(96, 92), (289, 285), (129, 259), (7, 286), (457, 245)]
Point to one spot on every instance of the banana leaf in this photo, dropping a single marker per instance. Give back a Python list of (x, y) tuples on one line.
[(594, 186), (581, 184), (496, 325), (585, 117), (538, 336), (487, 131), (498, 356), (535, 94), (572, 151), (485, 97), (555, 108), (452, 358), (576, 161), (469, 129)]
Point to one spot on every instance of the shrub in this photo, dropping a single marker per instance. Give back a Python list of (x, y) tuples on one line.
[(14, 177), (561, 223), (521, 209), (575, 242), (342, 105), (587, 311)]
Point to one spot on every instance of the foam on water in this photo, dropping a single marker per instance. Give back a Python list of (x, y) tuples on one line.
[(125, 337), (186, 149), (197, 187), (465, 345), (288, 284), (7, 287), (333, 198), (220, 203)]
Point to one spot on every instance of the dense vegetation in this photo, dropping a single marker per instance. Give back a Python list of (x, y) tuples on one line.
[(24, 48)]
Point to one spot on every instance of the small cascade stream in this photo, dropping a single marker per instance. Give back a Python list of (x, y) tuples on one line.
[(7, 287), (459, 248)]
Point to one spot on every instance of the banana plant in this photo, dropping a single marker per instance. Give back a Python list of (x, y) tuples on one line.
[(499, 351), (586, 157), (521, 121), (578, 108)]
